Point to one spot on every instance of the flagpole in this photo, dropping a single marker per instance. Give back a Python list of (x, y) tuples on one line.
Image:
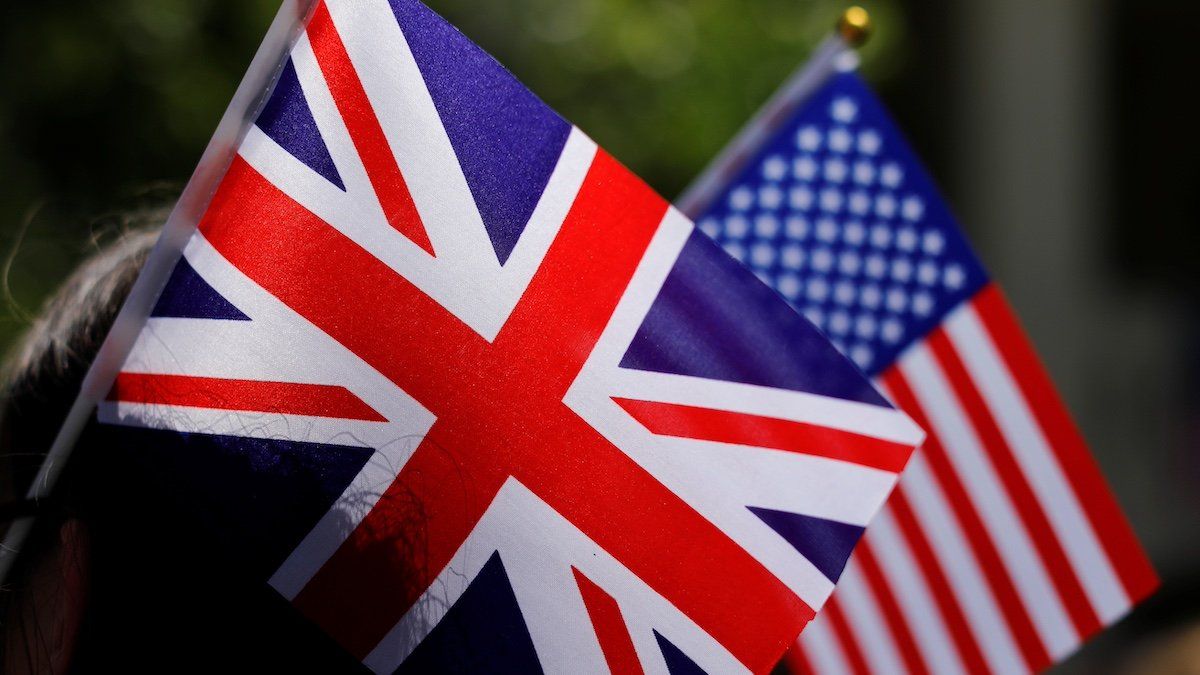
[(249, 98), (835, 54)]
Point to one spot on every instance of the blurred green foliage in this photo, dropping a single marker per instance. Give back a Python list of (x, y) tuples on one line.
[(107, 105)]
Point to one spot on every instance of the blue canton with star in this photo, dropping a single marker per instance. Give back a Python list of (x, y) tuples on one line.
[(836, 213)]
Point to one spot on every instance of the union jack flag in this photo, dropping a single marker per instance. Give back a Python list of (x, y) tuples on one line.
[(1002, 548), (472, 397)]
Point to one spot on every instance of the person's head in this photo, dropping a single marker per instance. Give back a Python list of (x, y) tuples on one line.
[(114, 576)]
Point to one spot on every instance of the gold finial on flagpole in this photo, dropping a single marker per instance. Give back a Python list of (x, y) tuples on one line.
[(855, 26)]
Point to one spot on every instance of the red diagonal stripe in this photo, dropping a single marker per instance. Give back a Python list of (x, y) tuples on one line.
[(1049, 549), (610, 627), (796, 661), (980, 540), (706, 424), (936, 581), (499, 413), (832, 611), (365, 131), (1116, 536), (287, 398), (879, 587)]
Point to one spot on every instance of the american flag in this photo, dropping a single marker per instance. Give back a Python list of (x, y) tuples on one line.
[(473, 398), (1002, 548)]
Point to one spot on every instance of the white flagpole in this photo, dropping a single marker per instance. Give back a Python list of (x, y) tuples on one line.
[(835, 54), (247, 101)]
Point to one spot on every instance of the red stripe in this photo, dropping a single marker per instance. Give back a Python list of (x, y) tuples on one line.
[(286, 398), (937, 582), (684, 421), (365, 131), (796, 662), (832, 611), (499, 413), (1049, 548), (1091, 490), (1030, 644), (611, 630), (864, 557)]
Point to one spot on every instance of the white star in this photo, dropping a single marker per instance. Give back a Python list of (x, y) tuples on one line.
[(881, 236), (818, 290), (789, 286), (792, 257), (822, 260), (876, 266), (766, 226), (844, 110), (922, 303), (849, 263), (775, 168), (835, 170), (860, 203), (933, 242), (741, 199), (954, 277), (897, 300), (710, 227), (770, 197), (866, 326), (927, 273), (736, 250), (901, 269), (885, 205), (801, 198), (871, 296), (864, 172), (869, 142), (736, 226), (843, 293), (815, 316), (840, 140), (854, 233), (762, 255), (839, 323), (827, 229), (809, 138), (804, 168), (913, 208), (831, 200), (891, 175), (906, 239), (862, 355), (892, 331), (797, 227)]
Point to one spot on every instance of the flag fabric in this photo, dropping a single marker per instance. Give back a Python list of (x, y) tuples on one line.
[(473, 398), (1002, 548)]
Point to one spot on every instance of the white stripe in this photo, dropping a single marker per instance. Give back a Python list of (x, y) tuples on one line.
[(681, 467), (1038, 462), (966, 578), (822, 647), (780, 480), (469, 283), (993, 504), (867, 626), (859, 418), (536, 543), (552, 209), (912, 595), (405, 109)]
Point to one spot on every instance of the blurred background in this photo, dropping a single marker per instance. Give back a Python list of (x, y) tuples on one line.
[(1058, 129)]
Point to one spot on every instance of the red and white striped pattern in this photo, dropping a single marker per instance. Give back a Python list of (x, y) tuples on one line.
[(1002, 548)]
